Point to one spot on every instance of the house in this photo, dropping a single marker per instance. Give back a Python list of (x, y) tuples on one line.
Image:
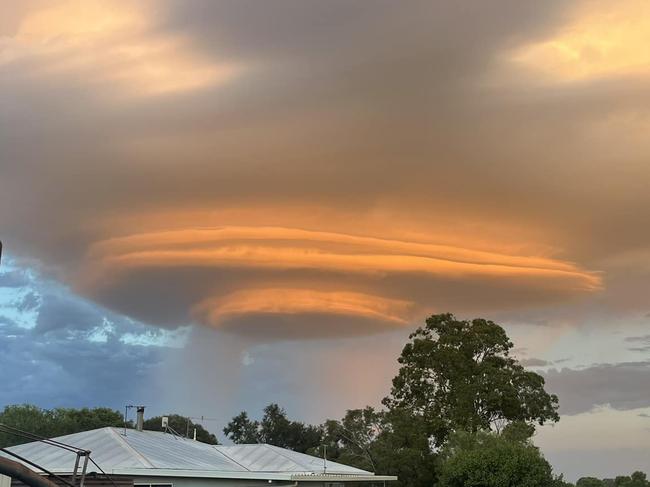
[(157, 459)]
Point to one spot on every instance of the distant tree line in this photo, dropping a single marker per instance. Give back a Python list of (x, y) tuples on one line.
[(461, 413), (637, 479), (54, 422), (49, 423), (183, 426)]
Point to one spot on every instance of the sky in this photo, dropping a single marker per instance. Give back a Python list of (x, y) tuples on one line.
[(207, 206)]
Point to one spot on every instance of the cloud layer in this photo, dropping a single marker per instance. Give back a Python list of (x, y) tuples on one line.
[(189, 169)]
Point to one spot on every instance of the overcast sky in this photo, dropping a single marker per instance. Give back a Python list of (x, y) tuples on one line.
[(207, 206)]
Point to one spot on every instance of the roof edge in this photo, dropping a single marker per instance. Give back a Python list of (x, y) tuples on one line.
[(306, 477)]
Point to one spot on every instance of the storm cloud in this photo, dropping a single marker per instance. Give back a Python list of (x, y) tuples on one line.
[(393, 161)]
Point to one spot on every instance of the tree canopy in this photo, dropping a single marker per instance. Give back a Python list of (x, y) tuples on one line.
[(459, 374), (64, 421), (637, 479), (486, 459), (275, 429), (54, 422), (183, 426)]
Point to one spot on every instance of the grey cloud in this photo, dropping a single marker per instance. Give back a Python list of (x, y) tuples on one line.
[(13, 279), (66, 313), (621, 386), (53, 372), (534, 362), (643, 343)]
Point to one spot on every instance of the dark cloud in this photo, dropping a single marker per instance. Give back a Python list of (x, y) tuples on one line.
[(57, 349), (56, 371), (621, 386), (64, 313)]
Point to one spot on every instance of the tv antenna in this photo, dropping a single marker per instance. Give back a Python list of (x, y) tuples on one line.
[(198, 418)]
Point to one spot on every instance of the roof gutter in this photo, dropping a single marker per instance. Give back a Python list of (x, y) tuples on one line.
[(295, 477)]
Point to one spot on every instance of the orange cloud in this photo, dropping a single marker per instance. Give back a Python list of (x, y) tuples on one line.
[(108, 41), (288, 248), (214, 311), (601, 39)]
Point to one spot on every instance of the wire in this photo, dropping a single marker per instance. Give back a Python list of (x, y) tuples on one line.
[(26, 434), (102, 471)]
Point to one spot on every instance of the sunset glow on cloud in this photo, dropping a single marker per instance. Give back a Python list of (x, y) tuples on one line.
[(301, 301), (267, 250), (600, 39), (106, 42)]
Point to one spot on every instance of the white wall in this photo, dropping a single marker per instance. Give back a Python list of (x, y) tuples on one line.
[(5, 481)]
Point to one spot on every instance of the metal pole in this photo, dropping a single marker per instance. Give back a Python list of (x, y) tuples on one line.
[(83, 472), (18, 471), (76, 467), (28, 462)]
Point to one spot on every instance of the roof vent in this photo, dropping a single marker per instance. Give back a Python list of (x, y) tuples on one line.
[(139, 422)]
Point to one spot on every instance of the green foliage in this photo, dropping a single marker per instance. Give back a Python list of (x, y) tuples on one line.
[(485, 459), (183, 426), (274, 429), (637, 479), (589, 482), (403, 449), (458, 375), (54, 422), (518, 431), (350, 441), (242, 430)]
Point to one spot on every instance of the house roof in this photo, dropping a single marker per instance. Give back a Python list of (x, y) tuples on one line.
[(153, 453)]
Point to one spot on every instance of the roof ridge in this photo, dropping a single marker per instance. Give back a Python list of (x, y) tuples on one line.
[(144, 460), (218, 449)]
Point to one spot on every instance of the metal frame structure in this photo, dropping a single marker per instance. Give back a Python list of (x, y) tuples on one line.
[(79, 452)]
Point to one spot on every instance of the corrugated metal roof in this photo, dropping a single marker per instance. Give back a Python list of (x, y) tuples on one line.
[(151, 450), (269, 458)]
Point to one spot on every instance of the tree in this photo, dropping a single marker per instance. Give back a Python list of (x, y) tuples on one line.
[(403, 448), (182, 425), (459, 375), (350, 440), (638, 479), (242, 430), (589, 482), (486, 459), (54, 422), (274, 429)]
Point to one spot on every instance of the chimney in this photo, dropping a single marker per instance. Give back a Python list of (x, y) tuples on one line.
[(139, 422)]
